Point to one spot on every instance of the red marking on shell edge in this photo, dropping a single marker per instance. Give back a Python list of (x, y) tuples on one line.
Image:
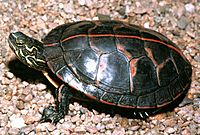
[(90, 96), (124, 106), (108, 103)]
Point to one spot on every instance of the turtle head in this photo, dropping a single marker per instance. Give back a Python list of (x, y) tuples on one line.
[(28, 50)]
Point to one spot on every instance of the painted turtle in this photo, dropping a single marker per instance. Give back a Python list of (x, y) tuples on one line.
[(112, 62)]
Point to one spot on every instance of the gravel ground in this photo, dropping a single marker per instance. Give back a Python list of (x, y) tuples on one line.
[(24, 92)]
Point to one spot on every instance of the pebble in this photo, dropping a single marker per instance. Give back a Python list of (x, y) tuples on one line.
[(9, 75), (80, 130), (17, 123), (96, 119), (20, 105), (3, 120), (170, 122), (169, 130), (118, 131), (190, 7), (197, 58), (92, 129), (30, 119), (28, 98), (3, 130), (182, 22), (13, 131), (82, 2), (42, 127), (134, 128), (75, 118), (100, 126), (41, 86)]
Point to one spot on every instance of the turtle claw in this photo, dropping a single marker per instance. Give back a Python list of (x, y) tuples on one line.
[(50, 114)]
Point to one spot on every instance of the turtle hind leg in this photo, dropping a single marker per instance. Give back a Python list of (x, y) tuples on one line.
[(54, 114)]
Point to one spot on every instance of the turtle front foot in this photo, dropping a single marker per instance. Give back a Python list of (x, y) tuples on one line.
[(50, 114)]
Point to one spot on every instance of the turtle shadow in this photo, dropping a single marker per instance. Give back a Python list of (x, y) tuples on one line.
[(131, 113), (27, 74)]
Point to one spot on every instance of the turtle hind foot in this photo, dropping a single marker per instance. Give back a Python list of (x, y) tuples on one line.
[(50, 114)]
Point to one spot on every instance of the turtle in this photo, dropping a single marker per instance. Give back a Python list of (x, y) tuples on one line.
[(111, 62)]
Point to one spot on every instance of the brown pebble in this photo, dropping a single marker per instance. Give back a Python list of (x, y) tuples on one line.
[(29, 119), (20, 105)]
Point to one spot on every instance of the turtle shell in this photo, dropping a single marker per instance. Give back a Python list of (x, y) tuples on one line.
[(118, 64)]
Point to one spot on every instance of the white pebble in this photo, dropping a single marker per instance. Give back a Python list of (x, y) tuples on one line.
[(18, 123), (170, 130), (61, 5), (9, 75), (146, 25), (189, 7), (41, 86), (81, 2)]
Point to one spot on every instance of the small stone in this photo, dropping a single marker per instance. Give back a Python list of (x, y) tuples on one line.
[(153, 131), (96, 119), (190, 7), (110, 126), (3, 130), (100, 127), (41, 86), (9, 75), (81, 2), (80, 130), (3, 120), (28, 98), (118, 131), (108, 132), (75, 118), (68, 8), (146, 25), (9, 95), (122, 11), (197, 58), (61, 5), (170, 122), (30, 119), (183, 22), (17, 123), (103, 17), (123, 122), (105, 120), (27, 130), (197, 119), (185, 132), (92, 129), (44, 127), (13, 131), (134, 128), (88, 3), (169, 130), (56, 132), (20, 105)]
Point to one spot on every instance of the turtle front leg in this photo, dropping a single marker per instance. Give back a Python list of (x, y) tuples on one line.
[(54, 114)]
